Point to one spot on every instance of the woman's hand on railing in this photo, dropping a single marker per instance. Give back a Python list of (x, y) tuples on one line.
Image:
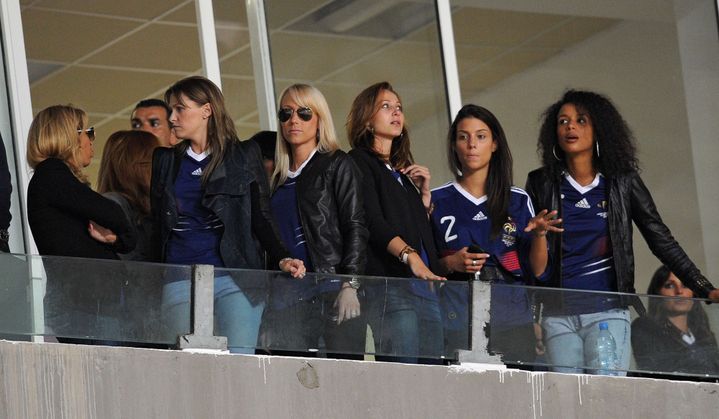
[(101, 234), (347, 304), (294, 267), (420, 270)]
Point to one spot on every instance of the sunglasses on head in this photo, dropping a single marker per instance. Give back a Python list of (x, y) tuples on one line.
[(284, 114), (90, 132)]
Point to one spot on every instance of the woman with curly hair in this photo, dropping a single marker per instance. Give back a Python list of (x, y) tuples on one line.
[(675, 335), (590, 175)]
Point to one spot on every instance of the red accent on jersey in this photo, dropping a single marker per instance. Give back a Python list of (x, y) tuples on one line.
[(510, 261)]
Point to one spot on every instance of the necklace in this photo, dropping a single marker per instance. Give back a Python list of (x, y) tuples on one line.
[(688, 337)]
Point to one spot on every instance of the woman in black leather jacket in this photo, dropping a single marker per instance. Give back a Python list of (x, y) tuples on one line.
[(209, 200), (590, 176), (317, 206)]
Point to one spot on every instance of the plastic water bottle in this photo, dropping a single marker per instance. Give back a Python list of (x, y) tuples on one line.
[(606, 351)]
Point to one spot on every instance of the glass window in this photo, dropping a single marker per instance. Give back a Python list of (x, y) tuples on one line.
[(233, 45), (658, 62), (105, 56), (342, 47)]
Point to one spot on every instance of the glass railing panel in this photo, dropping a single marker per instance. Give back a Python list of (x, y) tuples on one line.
[(605, 333), (91, 300), (388, 318)]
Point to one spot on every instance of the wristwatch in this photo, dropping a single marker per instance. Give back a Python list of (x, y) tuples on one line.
[(354, 283)]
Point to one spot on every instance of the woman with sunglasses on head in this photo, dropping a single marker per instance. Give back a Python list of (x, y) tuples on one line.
[(68, 218), (675, 334), (209, 200), (317, 206), (404, 316), (482, 210), (590, 176)]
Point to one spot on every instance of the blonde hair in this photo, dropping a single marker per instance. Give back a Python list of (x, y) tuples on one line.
[(305, 96), (53, 134)]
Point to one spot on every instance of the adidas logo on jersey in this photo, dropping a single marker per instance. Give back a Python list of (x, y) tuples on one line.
[(582, 204), (479, 217), (197, 172)]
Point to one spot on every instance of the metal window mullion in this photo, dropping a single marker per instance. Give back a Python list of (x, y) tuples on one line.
[(18, 84), (208, 41), (262, 64), (449, 57)]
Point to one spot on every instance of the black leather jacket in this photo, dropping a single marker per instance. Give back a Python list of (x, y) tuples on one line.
[(329, 199), (628, 200), (237, 192)]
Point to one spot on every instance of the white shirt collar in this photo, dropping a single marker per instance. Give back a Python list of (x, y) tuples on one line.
[(292, 175)]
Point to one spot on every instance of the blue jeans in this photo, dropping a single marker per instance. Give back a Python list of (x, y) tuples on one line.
[(568, 340), (406, 326), (235, 316)]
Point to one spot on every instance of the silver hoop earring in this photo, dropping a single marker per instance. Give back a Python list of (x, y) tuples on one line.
[(597, 143), (554, 152)]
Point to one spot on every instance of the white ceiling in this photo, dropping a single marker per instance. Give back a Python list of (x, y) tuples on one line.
[(105, 55)]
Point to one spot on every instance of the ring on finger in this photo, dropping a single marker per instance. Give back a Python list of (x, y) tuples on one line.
[(474, 262)]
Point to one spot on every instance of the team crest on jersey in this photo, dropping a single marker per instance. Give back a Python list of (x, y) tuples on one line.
[(602, 204), (509, 228)]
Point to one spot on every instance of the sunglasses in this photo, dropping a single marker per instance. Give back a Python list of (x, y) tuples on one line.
[(284, 114), (90, 132)]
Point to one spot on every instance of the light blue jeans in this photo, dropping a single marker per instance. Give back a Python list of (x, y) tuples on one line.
[(235, 316), (569, 340)]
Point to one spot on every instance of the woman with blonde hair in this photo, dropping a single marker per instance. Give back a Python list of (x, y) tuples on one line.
[(317, 206), (209, 199), (67, 218)]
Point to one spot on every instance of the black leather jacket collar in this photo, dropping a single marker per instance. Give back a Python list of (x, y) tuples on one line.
[(329, 199), (628, 200)]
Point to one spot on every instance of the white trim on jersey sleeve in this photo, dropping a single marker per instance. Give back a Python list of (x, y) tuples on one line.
[(439, 188), (522, 192)]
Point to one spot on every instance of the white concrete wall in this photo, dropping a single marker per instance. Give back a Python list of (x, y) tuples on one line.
[(66, 381), (699, 51)]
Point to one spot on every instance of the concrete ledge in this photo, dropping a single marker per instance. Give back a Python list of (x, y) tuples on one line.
[(69, 381)]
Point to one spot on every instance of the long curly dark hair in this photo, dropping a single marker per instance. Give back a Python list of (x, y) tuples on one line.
[(499, 178), (617, 152)]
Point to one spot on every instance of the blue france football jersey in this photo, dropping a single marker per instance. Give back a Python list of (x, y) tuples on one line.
[(587, 261), (460, 220)]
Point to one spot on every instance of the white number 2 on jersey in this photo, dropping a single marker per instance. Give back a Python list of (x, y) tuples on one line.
[(448, 237)]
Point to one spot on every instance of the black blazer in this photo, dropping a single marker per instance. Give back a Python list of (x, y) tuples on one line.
[(392, 210), (59, 208)]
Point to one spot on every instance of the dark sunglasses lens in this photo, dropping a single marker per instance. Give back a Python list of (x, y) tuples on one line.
[(284, 115), (305, 114), (91, 133)]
